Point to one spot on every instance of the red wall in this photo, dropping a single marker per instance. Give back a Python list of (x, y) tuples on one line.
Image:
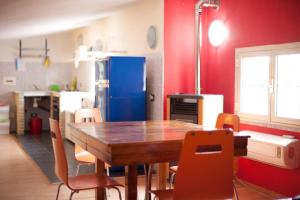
[(178, 47), (250, 23)]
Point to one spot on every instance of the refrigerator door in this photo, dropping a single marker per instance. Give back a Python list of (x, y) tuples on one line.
[(101, 87), (127, 89)]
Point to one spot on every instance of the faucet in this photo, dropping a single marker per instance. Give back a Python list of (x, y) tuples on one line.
[(36, 87)]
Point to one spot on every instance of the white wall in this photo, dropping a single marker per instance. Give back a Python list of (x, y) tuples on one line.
[(126, 29), (85, 74)]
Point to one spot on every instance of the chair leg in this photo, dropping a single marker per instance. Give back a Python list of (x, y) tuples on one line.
[(71, 195), (105, 195), (235, 192), (119, 192), (146, 167), (148, 179), (77, 169), (172, 179), (107, 171), (107, 190), (58, 189)]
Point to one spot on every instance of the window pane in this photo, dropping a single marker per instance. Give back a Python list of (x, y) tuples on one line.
[(254, 97), (288, 86)]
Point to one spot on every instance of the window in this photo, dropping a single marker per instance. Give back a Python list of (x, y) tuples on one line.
[(268, 85)]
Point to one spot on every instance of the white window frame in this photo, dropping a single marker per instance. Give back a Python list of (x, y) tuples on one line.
[(270, 120)]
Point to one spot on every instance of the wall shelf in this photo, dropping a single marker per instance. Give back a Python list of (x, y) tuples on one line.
[(33, 53)]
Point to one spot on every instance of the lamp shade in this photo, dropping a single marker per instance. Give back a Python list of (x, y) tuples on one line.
[(217, 33)]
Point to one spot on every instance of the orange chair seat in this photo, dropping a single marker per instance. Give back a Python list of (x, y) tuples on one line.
[(91, 181), (85, 157), (163, 194), (173, 169)]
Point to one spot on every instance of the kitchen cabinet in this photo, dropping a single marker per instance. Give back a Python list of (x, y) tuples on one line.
[(62, 108)]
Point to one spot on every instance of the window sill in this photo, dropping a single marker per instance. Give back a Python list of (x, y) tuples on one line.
[(279, 126)]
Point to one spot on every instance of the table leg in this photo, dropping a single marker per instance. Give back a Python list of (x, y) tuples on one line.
[(130, 182), (162, 175), (99, 193)]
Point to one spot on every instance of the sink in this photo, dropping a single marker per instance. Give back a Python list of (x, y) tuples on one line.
[(35, 93)]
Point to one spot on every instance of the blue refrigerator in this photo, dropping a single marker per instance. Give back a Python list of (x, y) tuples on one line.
[(120, 88)]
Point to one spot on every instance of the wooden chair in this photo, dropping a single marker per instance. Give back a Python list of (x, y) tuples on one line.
[(224, 120), (76, 183), (205, 167), (230, 120), (82, 156)]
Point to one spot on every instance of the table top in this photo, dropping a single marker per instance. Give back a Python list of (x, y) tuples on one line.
[(113, 141), (116, 133)]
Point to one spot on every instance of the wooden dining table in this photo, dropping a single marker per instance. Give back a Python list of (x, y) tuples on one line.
[(140, 142)]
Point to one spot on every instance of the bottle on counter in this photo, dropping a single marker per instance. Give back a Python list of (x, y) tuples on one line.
[(74, 84), (67, 87)]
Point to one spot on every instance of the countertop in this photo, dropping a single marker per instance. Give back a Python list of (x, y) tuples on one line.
[(39, 93)]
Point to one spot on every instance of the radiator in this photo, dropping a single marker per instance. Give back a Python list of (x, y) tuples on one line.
[(280, 151)]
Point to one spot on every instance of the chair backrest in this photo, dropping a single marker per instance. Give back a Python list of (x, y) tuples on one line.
[(229, 120), (88, 115), (205, 169), (61, 165)]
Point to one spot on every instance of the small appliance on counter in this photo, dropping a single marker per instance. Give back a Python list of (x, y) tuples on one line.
[(55, 88)]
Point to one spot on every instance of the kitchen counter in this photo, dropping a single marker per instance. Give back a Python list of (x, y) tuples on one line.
[(40, 93), (61, 93), (67, 103), (34, 93)]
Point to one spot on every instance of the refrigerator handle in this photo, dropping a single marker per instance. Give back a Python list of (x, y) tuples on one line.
[(102, 83)]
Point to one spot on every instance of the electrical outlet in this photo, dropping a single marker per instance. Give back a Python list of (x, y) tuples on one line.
[(9, 80)]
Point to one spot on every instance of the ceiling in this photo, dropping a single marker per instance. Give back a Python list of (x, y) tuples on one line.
[(24, 18)]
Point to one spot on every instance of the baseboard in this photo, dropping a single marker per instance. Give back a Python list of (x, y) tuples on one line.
[(262, 190)]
